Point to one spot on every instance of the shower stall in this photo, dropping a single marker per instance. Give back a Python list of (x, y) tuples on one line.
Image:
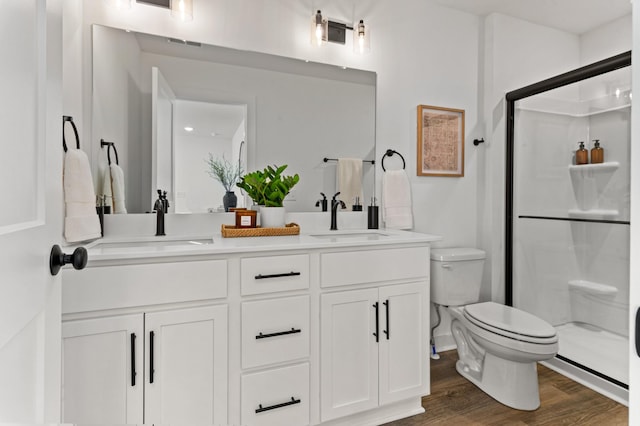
[(567, 225)]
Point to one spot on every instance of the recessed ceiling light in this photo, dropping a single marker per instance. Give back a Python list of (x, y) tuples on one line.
[(214, 134), (188, 129)]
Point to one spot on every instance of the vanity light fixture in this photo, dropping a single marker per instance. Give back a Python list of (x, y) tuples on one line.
[(182, 9), (325, 30)]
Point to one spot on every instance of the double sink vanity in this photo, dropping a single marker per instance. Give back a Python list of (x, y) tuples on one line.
[(317, 328)]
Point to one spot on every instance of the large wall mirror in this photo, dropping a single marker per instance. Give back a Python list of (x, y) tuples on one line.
[(167, 104)]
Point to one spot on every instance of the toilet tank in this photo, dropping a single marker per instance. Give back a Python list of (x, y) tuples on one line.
[(456, 275)]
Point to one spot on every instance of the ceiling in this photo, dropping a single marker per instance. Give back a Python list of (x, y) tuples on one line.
[(573, 16)]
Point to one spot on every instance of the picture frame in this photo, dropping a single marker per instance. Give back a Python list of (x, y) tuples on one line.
[(440, 141)]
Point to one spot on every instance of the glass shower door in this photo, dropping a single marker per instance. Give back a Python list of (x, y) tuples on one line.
[(570, 223)]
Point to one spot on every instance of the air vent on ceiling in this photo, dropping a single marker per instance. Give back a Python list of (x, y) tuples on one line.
[(187, 42), (161, 3)]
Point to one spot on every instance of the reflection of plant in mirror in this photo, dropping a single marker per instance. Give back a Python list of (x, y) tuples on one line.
[(268, 187), (224, 172)]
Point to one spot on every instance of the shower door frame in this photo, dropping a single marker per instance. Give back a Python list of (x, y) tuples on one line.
[(604, 66)]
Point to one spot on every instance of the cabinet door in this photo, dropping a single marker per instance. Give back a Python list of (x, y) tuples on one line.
[(348, 353), (404, 360), (186, 372), (102, 369)]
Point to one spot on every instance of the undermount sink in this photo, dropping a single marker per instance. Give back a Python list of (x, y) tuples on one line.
[(351, 236), (156, 243)]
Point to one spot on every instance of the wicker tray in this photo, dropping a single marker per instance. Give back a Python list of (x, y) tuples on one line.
[(230, 231)]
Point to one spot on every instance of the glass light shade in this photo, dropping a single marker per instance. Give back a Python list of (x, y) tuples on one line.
[(182, 9), (319, 29), (361, 38)]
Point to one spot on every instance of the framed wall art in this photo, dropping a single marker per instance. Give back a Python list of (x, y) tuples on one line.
[(440, 141)]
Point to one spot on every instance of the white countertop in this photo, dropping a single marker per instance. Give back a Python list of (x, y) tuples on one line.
[(121, 248)]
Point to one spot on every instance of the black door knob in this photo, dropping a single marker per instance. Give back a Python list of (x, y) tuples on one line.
[(58, 259)]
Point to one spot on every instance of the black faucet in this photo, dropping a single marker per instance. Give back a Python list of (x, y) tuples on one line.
[(159, 207), (334, 211)]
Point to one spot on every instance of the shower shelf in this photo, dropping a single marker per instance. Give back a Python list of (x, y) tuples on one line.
[(576, 219), (609, 166), (593, 288)]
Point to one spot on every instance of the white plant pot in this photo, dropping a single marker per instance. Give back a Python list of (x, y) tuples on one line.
[(272, 217)]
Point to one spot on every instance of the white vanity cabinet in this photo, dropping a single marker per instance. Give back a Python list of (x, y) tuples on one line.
[(373, 342), (174, 356)]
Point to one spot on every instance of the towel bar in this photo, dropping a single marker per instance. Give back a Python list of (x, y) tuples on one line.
[(326, 160), (110, 145)]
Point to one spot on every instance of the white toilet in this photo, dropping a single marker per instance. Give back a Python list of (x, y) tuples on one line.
[(498, 346)]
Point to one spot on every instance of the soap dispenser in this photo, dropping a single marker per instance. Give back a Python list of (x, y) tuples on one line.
[(597, 152), (582, 155)]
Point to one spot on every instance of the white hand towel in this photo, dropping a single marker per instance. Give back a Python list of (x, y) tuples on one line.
[(117, 188), (349, 180), (106, 187), (396, 200), (81, 221)]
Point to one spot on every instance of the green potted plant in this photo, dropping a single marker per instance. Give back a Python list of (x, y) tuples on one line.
[(227, 174), (268, 189)]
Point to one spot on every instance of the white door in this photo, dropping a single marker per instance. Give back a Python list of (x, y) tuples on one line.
[(31, 213), (162, 98), (348, 352), (404, 360), (634, 276), (186, 372), (102, 370)]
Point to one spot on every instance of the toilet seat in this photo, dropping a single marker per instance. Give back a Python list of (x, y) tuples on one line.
[(511, 323)]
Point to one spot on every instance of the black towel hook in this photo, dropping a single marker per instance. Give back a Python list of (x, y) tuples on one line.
[(389, 153), (110, 145), (68, 118)]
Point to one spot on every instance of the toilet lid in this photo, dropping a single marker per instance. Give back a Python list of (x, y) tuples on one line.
[(508, 319)]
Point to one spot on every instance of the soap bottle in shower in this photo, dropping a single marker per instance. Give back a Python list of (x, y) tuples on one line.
[(582, 155), (597, 152)]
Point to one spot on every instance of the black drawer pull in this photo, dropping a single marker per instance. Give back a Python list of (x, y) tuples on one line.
[(286, 274), (260, 408), (387, 331), (375, 305), (279, 333)]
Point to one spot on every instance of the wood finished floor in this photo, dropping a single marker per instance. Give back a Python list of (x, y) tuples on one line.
[(456, 401)]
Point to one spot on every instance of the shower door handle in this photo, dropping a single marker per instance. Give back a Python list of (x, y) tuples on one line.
[(638, 332)]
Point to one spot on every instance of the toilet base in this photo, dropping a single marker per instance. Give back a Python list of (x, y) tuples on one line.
[(514, 384)]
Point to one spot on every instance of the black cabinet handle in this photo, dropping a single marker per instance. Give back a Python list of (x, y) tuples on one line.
[(387, 331), (260, 408), (133, 359), (286, 274), (151, 369), (375, 305), (638, 332), (279, 333)]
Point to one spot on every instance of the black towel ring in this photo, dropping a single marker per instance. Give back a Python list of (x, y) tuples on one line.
[(66, 118), (389, 153), (110, 145)]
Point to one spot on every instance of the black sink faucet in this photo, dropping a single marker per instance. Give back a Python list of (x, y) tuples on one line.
[(334, 211), (159, 208)]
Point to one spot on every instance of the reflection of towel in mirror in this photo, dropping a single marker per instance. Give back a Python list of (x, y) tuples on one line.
[(396, 200), (117, 188), (349, 180), (81, 221), (106, 187)]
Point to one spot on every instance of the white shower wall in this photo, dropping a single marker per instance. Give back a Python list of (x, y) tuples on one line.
[(551, 252)]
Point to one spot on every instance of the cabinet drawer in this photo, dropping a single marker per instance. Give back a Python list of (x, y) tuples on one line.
[(109, 287), (371, 266), (280, 397), (275, 330), (274, 273)]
